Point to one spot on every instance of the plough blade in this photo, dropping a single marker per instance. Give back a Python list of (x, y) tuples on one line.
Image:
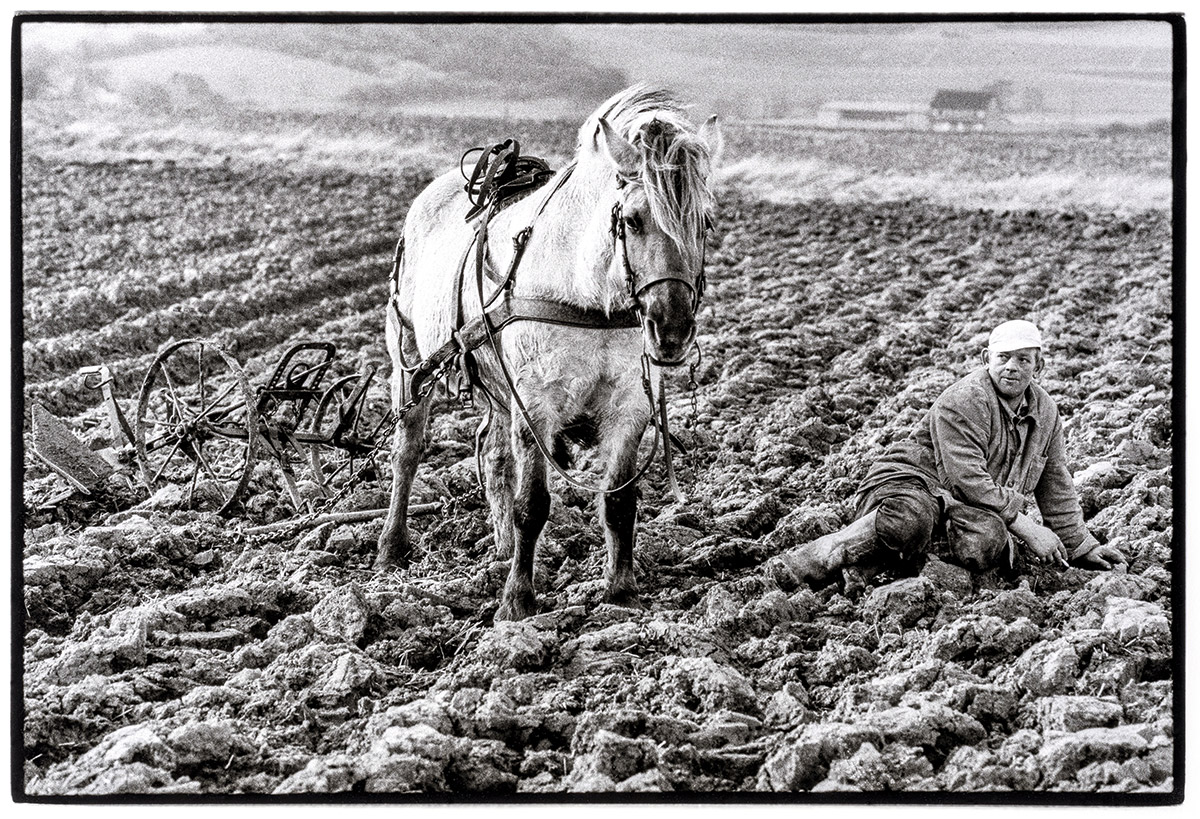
[(59, 449)]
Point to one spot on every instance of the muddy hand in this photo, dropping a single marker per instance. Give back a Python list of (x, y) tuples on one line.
[(1102, 555), (1041, 541)]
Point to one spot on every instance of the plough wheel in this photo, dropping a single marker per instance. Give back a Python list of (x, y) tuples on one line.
[(196, 426), (336, 463)]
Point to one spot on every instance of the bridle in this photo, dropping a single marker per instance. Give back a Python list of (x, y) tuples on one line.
[(635, 288)]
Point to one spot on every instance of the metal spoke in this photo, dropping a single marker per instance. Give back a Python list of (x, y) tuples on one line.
[(163, 440), (374, 436), (212, 473), (204, 410), (171, 406), (170, 455), (337, 471), (203, 462), (200, 371), (192, 484), (179, 402)]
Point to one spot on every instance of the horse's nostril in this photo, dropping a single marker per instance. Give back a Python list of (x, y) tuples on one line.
[(670, 339), (652, 329)]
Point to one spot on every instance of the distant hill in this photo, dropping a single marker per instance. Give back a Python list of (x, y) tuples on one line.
[(254, 75), (487, 69), (1103, 71)]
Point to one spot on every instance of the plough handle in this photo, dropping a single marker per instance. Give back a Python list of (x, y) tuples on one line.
[(354, 401), (100, 377)]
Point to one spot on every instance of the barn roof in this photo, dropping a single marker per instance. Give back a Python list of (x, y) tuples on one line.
[(962, 100)]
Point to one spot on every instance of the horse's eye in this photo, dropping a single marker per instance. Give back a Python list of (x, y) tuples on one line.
[(633, 223)]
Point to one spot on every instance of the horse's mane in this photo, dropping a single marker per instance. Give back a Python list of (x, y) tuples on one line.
[(675, 161)]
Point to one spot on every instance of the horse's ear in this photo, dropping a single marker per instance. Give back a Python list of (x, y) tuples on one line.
[(710, 132), (619, 150)]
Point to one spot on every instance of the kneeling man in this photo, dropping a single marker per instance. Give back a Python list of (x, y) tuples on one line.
[(988, 440)]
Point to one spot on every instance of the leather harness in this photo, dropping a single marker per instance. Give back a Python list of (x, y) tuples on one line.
[(501, 177)]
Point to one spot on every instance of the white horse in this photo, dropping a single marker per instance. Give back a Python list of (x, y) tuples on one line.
[(617, 239)]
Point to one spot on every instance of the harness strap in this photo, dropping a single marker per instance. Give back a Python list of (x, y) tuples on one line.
[(672, 484), (474, 334), (490, 332), (617, 228)]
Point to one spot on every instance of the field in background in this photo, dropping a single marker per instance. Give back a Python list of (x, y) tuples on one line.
[(1119, 170)]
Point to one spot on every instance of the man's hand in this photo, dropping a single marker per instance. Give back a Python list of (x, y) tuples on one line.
[(1102, 555), (1040, 540)]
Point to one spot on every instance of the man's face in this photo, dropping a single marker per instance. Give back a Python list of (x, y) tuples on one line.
[(1013, 371)]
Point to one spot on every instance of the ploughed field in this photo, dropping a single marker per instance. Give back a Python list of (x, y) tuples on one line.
[(166, 652)]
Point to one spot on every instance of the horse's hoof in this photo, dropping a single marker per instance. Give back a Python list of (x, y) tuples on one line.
[(516, 607), (625, 598), (386, 562)]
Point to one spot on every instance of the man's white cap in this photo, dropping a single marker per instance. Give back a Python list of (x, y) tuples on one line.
[(1014, 335)]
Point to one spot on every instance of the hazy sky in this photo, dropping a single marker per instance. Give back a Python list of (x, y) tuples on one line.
[(1128, 33), (1117, 67)]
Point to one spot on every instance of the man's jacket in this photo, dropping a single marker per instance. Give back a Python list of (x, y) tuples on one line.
[(971, 448)]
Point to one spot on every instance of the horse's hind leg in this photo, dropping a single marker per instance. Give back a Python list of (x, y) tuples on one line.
[(408, 445), (530, 509), (618, 512), (498, 482)]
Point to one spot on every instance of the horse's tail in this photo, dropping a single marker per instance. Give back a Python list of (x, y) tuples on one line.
[(395, 314), (397, 260), (396, 325)]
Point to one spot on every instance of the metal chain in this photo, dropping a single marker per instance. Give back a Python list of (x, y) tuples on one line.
[(383, 439), (693, 388)]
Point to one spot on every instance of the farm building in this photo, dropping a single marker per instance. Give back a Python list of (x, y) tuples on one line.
[(963, 110), (884, 115)]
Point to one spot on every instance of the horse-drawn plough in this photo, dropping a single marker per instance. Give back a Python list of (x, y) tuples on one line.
[(199, 423)]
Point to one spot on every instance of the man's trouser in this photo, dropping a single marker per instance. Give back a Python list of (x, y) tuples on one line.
[(908, 516)]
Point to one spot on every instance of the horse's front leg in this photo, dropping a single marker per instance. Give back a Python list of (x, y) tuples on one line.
[(530, 509), (618, 512)]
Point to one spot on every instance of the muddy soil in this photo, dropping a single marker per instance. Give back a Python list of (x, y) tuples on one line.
[(166, 652)]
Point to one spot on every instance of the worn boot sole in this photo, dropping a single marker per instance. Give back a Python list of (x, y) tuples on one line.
[(814, 562)]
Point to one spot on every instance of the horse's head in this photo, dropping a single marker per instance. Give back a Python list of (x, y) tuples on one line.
[(660, 213)]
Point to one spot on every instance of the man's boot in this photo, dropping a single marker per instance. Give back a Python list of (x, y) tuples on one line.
[(813, 562)]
